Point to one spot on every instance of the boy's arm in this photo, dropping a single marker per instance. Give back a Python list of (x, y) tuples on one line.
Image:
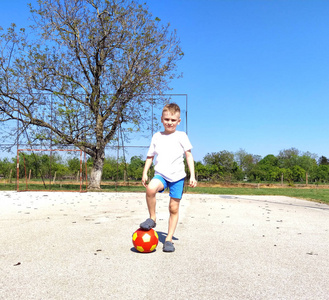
[(148, 164), (190, 163)]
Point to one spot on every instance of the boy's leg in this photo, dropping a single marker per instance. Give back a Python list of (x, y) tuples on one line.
[(152, 189), (176, 192), (173, 218)]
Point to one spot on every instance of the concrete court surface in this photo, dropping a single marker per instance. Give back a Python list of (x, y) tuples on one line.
[(78, 246)]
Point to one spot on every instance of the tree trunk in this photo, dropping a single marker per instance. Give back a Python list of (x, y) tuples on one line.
[(97, 171)]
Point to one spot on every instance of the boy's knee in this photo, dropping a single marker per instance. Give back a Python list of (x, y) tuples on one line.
[(174, 206), (150, 191), (153, 187)]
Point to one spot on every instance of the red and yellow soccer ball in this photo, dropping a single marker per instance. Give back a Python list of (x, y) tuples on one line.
[(145, 240)]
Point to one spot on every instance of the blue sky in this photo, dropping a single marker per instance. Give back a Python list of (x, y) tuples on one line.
[(256, 71)]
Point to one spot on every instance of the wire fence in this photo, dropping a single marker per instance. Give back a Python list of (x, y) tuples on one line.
[(126, 148)]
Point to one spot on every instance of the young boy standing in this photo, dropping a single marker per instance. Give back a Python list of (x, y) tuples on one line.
[(168, 146)]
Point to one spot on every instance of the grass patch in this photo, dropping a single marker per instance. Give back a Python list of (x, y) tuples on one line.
[(320, 195), (41, 187)]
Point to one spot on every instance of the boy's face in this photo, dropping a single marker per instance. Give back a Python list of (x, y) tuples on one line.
[(170, 121)]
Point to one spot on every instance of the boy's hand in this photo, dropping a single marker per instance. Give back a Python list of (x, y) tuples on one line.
[(144, 180), (193, 182)]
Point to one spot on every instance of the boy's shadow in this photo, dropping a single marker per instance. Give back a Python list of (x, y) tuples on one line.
[(163, 235), (162, 238)]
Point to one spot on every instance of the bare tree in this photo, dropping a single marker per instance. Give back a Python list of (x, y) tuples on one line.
[(98, 59)]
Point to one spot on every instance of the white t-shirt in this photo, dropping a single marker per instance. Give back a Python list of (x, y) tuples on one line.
[(169, 150)]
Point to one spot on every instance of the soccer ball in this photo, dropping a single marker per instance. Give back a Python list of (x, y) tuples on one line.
[(145, 240)]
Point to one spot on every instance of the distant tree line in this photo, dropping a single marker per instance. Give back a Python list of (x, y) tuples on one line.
[(290, 165), (37, 165)]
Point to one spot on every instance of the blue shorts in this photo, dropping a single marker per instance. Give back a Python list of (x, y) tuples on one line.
[(175, 188)]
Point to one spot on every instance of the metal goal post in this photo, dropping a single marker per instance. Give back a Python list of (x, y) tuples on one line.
[(50, 177)]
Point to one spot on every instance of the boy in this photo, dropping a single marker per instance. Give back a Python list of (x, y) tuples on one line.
[(169, 146)]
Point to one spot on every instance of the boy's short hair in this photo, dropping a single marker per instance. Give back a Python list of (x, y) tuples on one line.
[(172, 108)]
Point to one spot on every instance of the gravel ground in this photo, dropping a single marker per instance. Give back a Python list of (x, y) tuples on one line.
[(78, 246)]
